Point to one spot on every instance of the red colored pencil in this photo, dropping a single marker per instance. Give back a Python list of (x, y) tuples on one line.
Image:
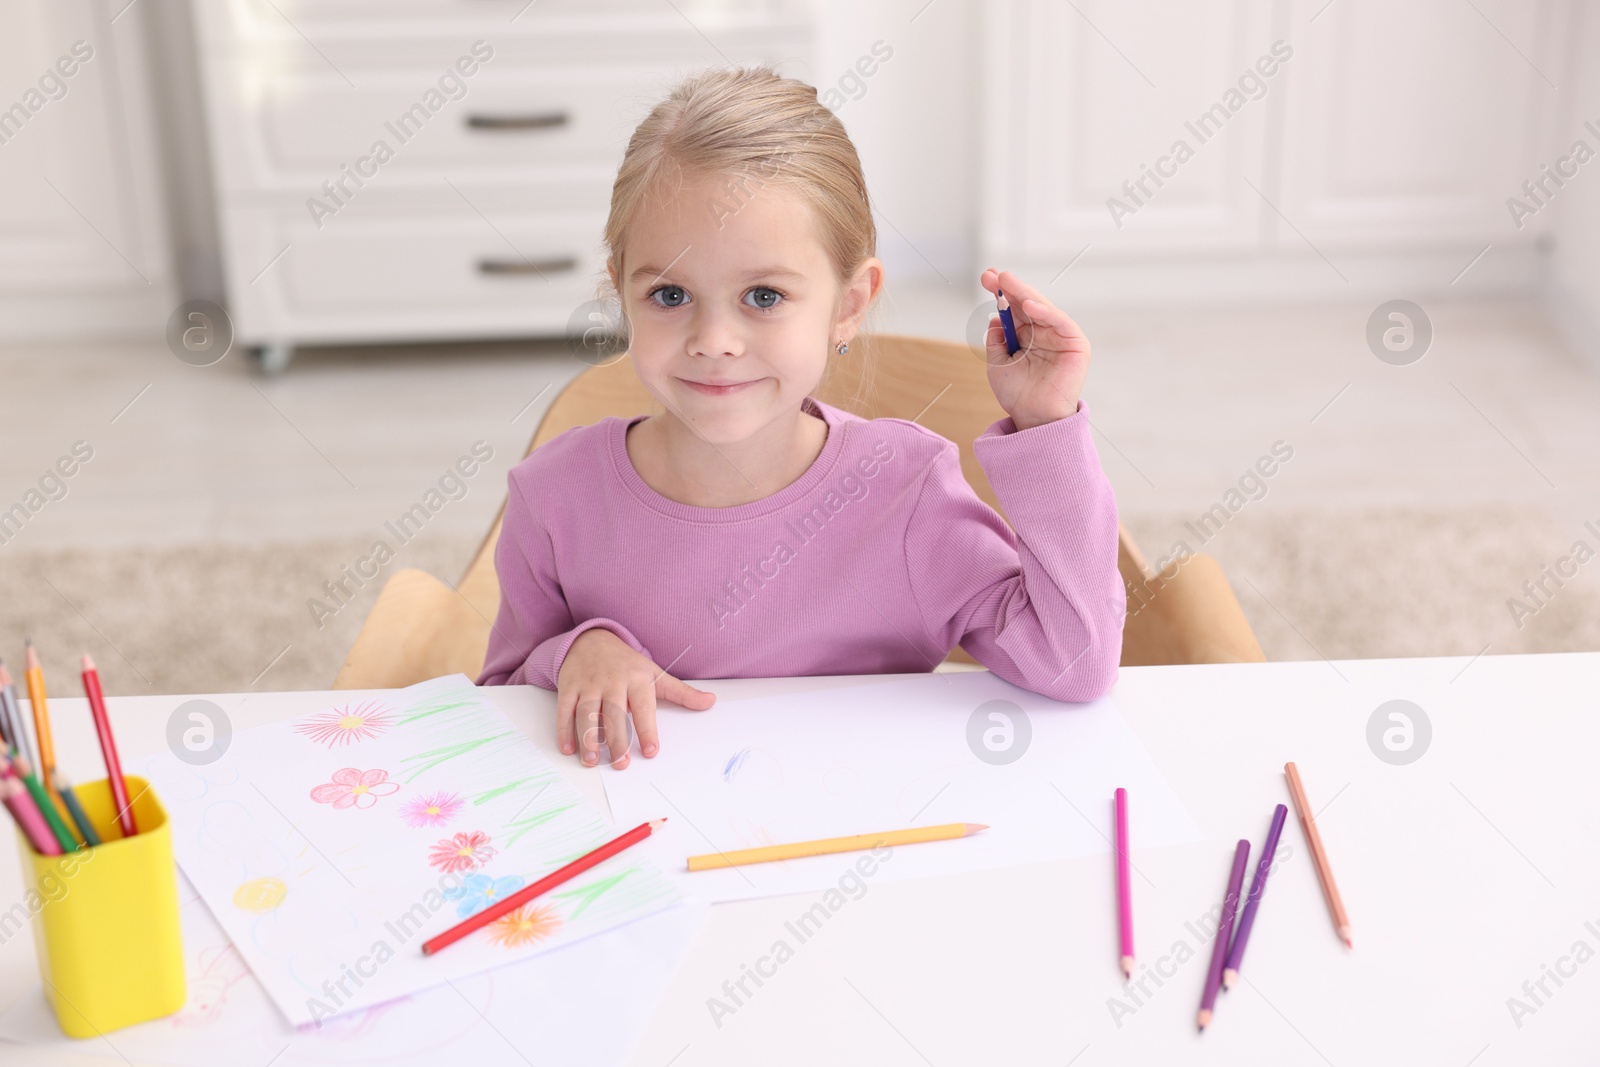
[(1124, 885), (543, 885), (108, 747)]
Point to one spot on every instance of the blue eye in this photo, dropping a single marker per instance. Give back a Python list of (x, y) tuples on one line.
[(672, 296), (766, 297)]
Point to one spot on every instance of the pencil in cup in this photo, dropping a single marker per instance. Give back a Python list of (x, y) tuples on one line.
[(41, 801), (830, 845), (39, 700), (80, 818), (29, 822), (16, 725), (105, 920), (108, 747)]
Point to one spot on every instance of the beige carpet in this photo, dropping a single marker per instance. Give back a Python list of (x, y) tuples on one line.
[(1340, 585)]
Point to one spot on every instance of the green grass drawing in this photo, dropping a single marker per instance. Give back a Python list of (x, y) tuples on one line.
[(500, 791), (449, 752), (436, 707), (523, 826), (588, 894)]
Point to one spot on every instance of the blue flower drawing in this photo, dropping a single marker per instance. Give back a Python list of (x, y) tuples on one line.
[(478, 891)]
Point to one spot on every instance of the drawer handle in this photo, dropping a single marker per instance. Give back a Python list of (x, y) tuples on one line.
[(539, 120), (527, 266)]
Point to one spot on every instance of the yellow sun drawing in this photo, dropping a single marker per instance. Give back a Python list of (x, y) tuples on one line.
[(260, 894), (525, 926)]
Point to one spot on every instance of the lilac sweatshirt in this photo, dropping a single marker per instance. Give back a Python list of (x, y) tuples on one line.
[(879, 559)]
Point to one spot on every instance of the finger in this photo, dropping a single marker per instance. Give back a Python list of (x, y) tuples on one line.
[(1018, 291), (683, 694), (1044, 315), (566, 706), (990, 279), (589, 730), (994, 343), (614, 716), (642, 703)]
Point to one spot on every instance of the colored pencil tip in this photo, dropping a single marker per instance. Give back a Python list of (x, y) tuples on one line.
[(86, 662), (5, 676), (30, 658), (1344, 935), (655, 824), (975, 827), (1127, 966), (1229, 976), (1203, 1018)]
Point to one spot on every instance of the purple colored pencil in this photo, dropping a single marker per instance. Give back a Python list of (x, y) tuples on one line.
[(1219, 946), (1258, 886)]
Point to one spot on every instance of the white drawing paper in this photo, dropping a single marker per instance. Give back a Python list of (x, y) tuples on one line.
[(888, 756), (331, 846)]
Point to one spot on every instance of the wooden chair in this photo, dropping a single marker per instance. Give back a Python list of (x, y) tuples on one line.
[(422, 627)]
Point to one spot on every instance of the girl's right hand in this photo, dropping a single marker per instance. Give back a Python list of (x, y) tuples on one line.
[(600, 682)]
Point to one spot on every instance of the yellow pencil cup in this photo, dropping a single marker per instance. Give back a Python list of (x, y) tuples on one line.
[(105, 919)]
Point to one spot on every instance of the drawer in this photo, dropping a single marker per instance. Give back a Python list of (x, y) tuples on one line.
[(291, 128), (422, 273), (334, 21)]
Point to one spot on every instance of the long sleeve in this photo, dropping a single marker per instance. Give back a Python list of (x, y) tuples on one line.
[(1040, 603), (534, 628)]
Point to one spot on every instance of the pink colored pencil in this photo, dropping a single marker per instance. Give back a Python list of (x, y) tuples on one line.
[(1124, 885), (22, 808)]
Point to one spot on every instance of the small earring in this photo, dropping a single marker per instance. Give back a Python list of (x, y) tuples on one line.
[(841, 348)]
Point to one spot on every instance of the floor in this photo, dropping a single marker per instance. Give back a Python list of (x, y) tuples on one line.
[(1416, 501)]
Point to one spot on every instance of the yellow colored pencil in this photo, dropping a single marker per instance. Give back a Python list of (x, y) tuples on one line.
[(829, 845)]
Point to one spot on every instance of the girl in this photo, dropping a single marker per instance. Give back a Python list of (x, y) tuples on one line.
[(751, 530)]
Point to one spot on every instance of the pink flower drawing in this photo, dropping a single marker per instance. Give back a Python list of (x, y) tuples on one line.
[(463, 852), (346, 725), (351, 788), (435, 809)]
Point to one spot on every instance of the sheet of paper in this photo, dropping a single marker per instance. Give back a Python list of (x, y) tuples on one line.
[(585, 1004), (946, 748), (331, 846)]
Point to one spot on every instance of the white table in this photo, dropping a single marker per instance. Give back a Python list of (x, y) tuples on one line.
[(1466, 873)]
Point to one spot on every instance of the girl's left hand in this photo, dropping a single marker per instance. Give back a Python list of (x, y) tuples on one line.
[(1041, 382)]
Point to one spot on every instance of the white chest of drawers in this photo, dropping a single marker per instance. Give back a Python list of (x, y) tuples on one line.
[(413, 170)]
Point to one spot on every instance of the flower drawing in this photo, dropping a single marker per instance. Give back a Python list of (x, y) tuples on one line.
[(435, 809), (351, 788), (462, 852), (346, 725), (478, 891), (525, 926)]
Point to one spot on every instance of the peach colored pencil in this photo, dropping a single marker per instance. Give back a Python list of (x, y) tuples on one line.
[(1319, 855)]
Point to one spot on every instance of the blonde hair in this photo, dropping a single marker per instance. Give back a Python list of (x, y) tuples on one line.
[(758, 129)]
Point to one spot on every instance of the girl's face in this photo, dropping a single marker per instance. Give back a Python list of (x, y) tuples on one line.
[(733, 304)]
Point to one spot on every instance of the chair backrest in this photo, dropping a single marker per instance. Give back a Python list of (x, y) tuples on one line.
[(944, 386)]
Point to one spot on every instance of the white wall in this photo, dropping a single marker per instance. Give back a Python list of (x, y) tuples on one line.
[(1573, 284), (915, 126)]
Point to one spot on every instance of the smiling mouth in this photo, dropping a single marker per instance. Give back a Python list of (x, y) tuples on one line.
[(719, 389)]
